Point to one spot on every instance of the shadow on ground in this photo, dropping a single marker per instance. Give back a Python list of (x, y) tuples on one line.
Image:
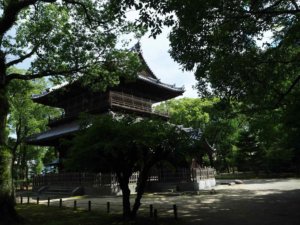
[(257, 202), (244, 207)]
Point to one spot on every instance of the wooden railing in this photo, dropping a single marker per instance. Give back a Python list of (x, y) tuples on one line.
[(182, 175), (78, 179), (108, 179), (128, 101), (79, 104)]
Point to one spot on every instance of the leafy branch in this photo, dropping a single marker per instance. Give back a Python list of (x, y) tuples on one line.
[(44, 73)]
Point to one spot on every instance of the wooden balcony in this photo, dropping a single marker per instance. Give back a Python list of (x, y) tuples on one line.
[(98, 104), (134, 103)]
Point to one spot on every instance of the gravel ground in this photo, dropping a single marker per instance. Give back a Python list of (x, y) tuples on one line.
[(256, 202)]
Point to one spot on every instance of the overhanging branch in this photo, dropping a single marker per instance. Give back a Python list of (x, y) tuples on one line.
[(22, 58), (11, 11), (292, 86), (295, 4), (18, 76), (86, 12)]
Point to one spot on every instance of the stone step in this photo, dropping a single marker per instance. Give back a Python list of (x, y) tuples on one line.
[(50, 193), (60, 189), (55, 190)]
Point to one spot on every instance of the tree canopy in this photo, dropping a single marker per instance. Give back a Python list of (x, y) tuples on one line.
[(244, 52), (217, 127), (124, 145), (236, 48), (243, 142), (233, 59)]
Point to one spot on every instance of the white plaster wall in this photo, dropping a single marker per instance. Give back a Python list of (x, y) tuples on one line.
[(206, 184)]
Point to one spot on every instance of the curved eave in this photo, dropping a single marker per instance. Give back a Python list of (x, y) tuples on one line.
[(49, 91), (179, 90), (150, 72), (50, 137)]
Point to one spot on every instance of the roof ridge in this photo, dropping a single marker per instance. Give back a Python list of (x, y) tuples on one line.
[(137, 48)]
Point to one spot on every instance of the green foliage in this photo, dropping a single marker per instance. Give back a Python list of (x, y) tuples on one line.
[(24, 112), (63, 40), (124, 145), (5, 169), (245, 53), (212, 116), (219, 40), (188, 111), (69, 40), (222, 47), (250, 155), (27, 118), (124, 142)]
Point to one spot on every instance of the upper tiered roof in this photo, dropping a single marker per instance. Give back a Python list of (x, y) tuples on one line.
[(135, 97), (146, 84)]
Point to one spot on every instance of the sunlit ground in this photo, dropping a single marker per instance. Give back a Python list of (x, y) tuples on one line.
[(259, 202)]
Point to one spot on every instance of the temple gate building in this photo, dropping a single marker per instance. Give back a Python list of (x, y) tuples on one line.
[(129, 97)]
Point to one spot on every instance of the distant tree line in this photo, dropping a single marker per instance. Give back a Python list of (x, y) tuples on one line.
[(242, 142)]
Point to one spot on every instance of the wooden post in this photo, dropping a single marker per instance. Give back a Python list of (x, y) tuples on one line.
[(21, 199), (175, 211), (48, 202), (155, 213), (75, 204), (28, 200), (151, 210), (108, 207), (90, 206), (37, 200), (60, 203)]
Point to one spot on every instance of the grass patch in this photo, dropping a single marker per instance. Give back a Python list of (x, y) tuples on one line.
[(43, 215)]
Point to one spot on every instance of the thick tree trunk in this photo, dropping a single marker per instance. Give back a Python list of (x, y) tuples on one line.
[(8, 214)]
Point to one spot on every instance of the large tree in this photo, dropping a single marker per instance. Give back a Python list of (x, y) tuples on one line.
[(62, 39), (246, 52), (229, 49), (219, 128), (124, 145)]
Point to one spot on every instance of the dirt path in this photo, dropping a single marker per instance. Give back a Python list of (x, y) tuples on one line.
[(260, 202), (257, 202)]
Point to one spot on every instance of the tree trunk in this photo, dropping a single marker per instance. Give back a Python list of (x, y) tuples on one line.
[(211, 159), (23, 162), (124, 182), (140, 189), (8, 214)]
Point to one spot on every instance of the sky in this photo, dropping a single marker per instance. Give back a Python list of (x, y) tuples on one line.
[(155, 52)]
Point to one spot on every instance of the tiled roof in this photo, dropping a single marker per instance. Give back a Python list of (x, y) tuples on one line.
[(55, 132)]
